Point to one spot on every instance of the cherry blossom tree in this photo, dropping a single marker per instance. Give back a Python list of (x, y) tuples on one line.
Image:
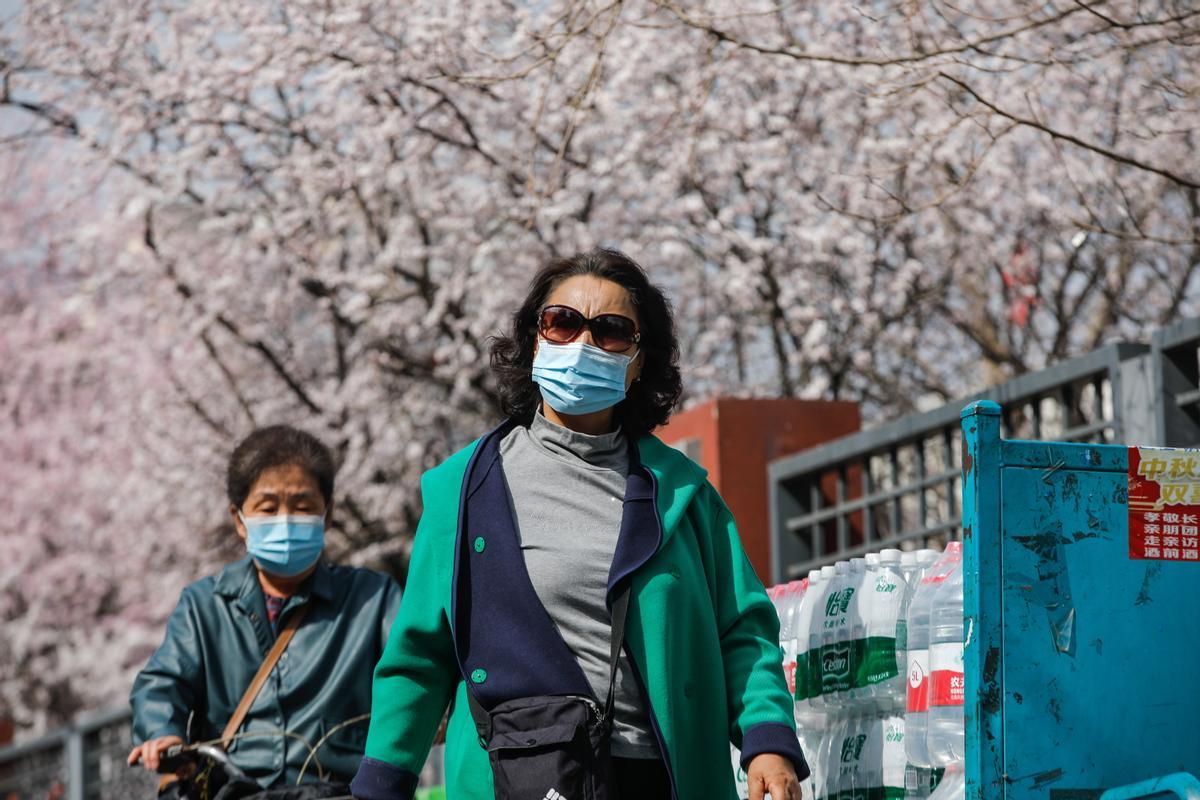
[(318, 213), (83, 562)]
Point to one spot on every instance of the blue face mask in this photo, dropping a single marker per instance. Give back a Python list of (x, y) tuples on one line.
[(579, 378), (284, 545)]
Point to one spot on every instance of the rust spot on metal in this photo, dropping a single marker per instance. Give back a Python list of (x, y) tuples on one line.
[(1044, 545), (1047, 777), (1143, 597), (968, 531), (968, 462), (1055, 709), (989, 692), (1018, 698)]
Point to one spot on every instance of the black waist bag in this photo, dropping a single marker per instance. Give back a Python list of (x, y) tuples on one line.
[(552, 747)]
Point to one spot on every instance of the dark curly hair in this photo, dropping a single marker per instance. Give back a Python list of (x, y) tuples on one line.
[(276, 446), (651, 399)]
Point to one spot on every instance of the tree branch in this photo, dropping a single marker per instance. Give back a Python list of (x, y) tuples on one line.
[(829, 58), (1075, 140)]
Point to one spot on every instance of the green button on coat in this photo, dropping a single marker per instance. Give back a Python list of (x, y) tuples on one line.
[(479, 544), (479, 675)]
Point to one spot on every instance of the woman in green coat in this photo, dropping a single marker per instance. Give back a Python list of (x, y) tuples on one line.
[(531, 532)]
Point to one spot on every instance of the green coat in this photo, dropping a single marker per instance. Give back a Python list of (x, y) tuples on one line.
[(701, 633)]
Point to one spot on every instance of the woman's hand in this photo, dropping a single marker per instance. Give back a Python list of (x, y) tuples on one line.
[(772, 773), (151, 752)]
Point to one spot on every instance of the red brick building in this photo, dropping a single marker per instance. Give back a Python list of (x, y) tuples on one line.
[(734, 439)]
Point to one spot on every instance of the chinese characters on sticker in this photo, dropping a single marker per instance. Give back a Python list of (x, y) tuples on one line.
[(1164, 504)]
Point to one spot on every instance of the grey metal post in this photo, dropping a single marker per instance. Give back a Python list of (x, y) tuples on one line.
[(786, 548), (1136, 408), (1177, 384), (777, 522), (76, 765)]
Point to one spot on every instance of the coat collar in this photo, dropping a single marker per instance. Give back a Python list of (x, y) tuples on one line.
[(642, 532), (677, 480), (656, 495), (240, 580)]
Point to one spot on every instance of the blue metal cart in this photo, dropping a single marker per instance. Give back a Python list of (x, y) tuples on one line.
[(1082, 664)]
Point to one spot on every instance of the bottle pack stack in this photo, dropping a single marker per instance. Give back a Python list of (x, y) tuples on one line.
[(872, 651)]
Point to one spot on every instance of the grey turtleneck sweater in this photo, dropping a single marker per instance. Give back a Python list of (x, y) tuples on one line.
[(568, 491)]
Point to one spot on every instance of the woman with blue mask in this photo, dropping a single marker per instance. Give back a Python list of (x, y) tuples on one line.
[(280, 484), (569, 559)]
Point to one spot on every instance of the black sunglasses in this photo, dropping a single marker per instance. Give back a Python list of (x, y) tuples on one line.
[(615, 333)]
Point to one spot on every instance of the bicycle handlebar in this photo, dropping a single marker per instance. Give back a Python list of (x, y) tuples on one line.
[(178, 755)]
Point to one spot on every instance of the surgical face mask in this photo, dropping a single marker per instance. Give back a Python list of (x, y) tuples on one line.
[(284, 545), (578, 378)]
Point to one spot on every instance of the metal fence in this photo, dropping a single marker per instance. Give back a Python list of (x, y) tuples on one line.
[(86, 761), (898, 485)]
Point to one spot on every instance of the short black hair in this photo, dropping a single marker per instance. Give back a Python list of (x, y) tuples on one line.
[(651, 399), (277, 446)]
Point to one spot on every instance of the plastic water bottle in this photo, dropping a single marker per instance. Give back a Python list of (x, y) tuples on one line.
[(831, 619), (853, 694), (915, 782), (809, 721), (816, 703), (919, 612), (807, 786), (786, 606), (946, 737), (835, 636), (776, 595), (804, 662), (848, 753), (884, 660), (818, 762), (894, 761), (868, 776), (871, 758), (917, 677), (795, 646), (741, 781), (910, 570), (953, 785), (829, 757)]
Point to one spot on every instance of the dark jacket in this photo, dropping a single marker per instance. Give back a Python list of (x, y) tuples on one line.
[(217, 637)]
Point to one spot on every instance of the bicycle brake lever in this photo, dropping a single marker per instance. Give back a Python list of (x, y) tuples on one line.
[(175, 757)]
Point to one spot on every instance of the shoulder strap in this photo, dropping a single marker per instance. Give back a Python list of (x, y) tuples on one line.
[(620, 607), (260, 678)]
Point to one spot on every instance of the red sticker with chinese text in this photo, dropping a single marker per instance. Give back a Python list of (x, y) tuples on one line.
[(1164, 504), (947, 688)]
